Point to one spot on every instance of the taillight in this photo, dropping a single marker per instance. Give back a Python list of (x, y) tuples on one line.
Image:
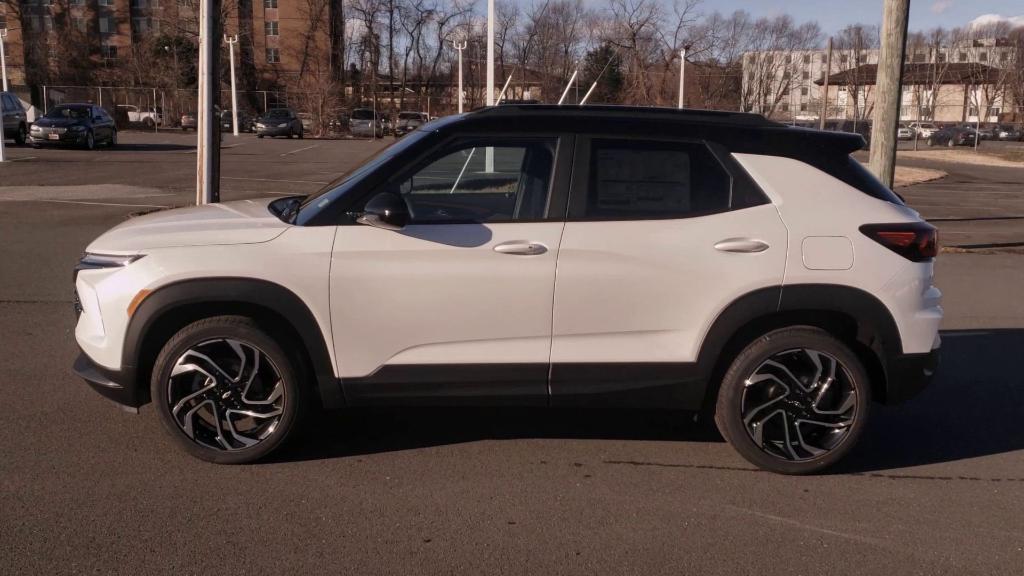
[(915, 241)]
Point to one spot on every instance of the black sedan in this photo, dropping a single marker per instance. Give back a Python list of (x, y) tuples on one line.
[(82, 125), (953, 136)]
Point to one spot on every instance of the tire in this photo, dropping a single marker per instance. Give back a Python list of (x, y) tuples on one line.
[(90, 141), (190, 401), (755, 400), (301, 133), (260, 136), (149, 123), (950, 143), (931, 142), (113, 139), (21, 135)]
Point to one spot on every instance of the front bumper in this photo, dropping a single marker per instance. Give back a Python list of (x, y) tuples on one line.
[(66, 139), (273, 131), (117, 386), (908, 374)]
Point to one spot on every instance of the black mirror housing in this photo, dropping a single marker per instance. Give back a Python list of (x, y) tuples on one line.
[(386, 210)]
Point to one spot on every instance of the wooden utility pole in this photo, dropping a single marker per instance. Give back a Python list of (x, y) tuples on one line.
[(823, 113), (208, 126), (889, 89)]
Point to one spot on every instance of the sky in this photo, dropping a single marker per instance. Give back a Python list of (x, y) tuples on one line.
[(834, 15)]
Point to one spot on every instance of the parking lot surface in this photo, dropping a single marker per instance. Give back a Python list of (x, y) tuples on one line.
[(935, 487)]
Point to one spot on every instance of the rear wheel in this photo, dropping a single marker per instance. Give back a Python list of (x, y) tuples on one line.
[(113, 138), (226, 391), (21, 135), (794, 401)]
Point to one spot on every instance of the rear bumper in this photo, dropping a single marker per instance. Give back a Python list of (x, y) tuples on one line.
[(117, 386), (908, 374), (273, 131)]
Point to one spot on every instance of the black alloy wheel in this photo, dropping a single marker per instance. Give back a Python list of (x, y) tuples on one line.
[(794, 401)]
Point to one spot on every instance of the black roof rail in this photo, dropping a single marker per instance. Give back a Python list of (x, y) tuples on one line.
[(683, 115)]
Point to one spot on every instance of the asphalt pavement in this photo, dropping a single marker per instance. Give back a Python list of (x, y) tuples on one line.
[(935, 487)]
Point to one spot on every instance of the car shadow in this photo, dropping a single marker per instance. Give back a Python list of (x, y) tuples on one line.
[(973, 409)]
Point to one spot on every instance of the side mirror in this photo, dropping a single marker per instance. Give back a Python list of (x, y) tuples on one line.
[(386, 210)]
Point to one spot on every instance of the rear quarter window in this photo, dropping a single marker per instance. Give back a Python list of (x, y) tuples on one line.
[(852, 172)]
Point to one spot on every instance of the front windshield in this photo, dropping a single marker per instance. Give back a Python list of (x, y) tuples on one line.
[(63, 112), (277, 114)]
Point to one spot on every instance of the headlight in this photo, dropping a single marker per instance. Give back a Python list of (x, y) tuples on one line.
[(36, 128), (90, 261), (282, 125), (260, 125)]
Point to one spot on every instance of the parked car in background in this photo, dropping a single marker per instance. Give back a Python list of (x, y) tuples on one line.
[(904, 132), (279, 122), (307, 121), (84, 125), (1010, 133), (923, 129), (409, 121), (189, 121), (986, 131), (15, 121), (246, 121), (150, 118), (952, 136), (365, 123)]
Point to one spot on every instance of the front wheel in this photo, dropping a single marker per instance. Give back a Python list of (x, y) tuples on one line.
[(21, 135), (113, 138), (90, 141), (227, 392), (794, 401)]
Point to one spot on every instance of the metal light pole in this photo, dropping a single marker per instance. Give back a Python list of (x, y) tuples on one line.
[(3, 66), (682, 75), (3, 56), (234, 94), (490, 53), (460, 48)]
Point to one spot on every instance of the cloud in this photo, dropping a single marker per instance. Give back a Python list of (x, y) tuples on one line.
[(940, 6), (990, 19)]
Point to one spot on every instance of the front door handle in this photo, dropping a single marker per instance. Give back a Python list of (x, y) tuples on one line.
[(741, 245), (521, 248)]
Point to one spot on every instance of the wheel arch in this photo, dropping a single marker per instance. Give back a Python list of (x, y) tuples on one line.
[(278, 309), (856, 317)]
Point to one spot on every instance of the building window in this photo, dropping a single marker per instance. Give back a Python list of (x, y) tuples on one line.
[(270, 3), (803, 106), (107, 25), (807, 58), (785, 106), (1004, 57), (80, 24), (963, 57), (982, 56), (105, 2), (138, 4), (270, 27), (145, 25), (806, 75), (803, 91), (940, 57), (843, 59), (77, 2), (789, 59), (108, 52), (919, 57), (273, 56)]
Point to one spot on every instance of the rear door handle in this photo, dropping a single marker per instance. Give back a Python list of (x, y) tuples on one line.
[(521, 248), (741, 245)]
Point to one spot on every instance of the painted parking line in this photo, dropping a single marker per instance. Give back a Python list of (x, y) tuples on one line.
[(300, 150), (105, 203), (23, 158), (273, 180)]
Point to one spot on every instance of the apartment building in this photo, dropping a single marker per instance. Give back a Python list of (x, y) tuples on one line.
[(941, 83), (68, 41)]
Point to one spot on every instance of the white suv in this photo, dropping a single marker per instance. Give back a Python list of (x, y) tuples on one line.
[(532, 255)]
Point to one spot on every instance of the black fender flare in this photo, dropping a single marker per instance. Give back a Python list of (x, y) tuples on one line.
[(238, 291), (876, 328)]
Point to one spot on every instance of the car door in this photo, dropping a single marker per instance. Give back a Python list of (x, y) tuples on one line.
[(457, 304), (662, 236)]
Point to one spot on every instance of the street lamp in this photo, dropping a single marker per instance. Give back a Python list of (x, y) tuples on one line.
[(682, 75), (231, 41), (460, 48)]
